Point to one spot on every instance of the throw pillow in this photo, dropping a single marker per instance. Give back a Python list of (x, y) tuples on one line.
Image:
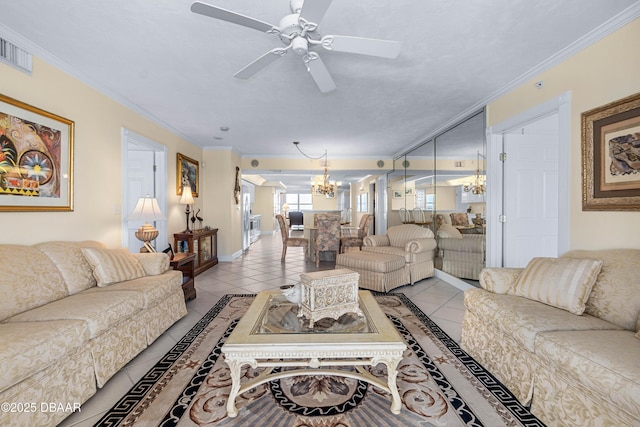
[(459, 218), (560, 282), (113, 265), (447, 231)]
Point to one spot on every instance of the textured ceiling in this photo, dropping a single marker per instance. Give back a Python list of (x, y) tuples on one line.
[(178, 66)]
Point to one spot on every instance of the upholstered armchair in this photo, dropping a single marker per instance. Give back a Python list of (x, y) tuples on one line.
[(416, 244), (362, 232), (463, 255), (288, 241)]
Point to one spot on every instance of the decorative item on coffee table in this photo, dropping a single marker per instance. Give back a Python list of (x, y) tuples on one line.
[(329, 293)]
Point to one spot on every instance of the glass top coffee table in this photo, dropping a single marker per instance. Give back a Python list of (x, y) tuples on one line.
[(271, 335)]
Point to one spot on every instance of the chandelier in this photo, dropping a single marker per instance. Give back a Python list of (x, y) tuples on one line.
[(320, 184), (478, 186)]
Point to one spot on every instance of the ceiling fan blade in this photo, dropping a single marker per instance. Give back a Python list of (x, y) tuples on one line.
[(260, 63), (320, 75), (229, 16), (362, 46), (314, 10)]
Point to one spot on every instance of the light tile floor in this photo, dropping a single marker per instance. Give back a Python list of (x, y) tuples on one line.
[(258, 269)]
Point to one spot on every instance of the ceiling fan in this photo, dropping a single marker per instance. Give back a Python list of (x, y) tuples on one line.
[(299, 32)]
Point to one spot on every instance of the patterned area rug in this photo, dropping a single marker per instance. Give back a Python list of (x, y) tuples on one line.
[(439, 383)]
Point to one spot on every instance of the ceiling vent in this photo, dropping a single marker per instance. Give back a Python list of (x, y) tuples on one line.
[(15, 56)]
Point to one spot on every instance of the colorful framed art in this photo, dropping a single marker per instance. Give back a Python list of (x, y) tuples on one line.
[(36, 158)]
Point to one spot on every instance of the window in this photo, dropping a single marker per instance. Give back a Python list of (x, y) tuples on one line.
[(299, 201)]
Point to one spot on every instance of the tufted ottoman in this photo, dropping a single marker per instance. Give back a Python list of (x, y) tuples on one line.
[(378, 271)]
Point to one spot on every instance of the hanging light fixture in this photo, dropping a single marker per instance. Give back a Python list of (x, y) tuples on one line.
[(478, 186), (320, 184)]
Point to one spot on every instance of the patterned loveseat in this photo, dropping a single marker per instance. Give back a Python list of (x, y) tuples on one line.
[(563, 335), (71, 315)]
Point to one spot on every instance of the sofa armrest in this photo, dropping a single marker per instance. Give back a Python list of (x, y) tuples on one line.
[(420, 245), (376, 240), (153, 263), (499, 280)]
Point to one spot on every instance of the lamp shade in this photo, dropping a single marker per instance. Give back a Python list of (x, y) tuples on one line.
[(147, 209), (187, 196)]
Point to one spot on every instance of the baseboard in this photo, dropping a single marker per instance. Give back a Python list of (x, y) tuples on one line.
[(230, 258), (453, 280)]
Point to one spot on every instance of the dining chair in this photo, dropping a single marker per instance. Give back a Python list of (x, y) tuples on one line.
[(288, 241), (420, 218), (405, 216), (327, 235), (362, 232)]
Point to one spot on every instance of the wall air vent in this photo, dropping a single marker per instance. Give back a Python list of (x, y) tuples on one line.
[(15, 56)]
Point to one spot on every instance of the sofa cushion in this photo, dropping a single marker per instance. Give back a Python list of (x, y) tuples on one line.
[(152, 289), (616, 294), (153, 263), (100, 310), (446, 231), (113, 265), (561, 282), (29, 279), (37, 345), (523, 318), (603, 361), (68, 257), (499, 280)]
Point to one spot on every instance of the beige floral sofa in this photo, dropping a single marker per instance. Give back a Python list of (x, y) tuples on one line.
[(71, 315), (563, 335)]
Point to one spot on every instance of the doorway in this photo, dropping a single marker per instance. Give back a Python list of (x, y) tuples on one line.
[(144, 172), (529, 158)]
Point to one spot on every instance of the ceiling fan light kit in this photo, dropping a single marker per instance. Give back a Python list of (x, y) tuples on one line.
[(299, 32)]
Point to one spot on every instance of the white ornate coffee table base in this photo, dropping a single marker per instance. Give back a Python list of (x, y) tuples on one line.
[(322, 354)]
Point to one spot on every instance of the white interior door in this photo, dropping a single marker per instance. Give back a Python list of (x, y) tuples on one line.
[(140, 184), (144, 166), (530, 197)]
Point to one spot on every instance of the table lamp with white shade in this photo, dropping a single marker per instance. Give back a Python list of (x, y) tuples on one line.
[(147, 210), (187, 199)]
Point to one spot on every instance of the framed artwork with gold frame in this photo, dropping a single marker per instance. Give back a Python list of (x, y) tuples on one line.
[(36, 158), (187, 173), (611, 156)]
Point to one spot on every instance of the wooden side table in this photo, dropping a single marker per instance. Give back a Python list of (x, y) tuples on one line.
[(203, 243), (185, 262)]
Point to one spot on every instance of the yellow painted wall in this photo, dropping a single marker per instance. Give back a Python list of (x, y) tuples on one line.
[(320, 202), (219, 204), (604, 72), (264, 206), (97, 158)]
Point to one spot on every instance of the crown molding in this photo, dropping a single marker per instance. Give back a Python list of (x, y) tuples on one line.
[(47, 56), (615, 23)]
